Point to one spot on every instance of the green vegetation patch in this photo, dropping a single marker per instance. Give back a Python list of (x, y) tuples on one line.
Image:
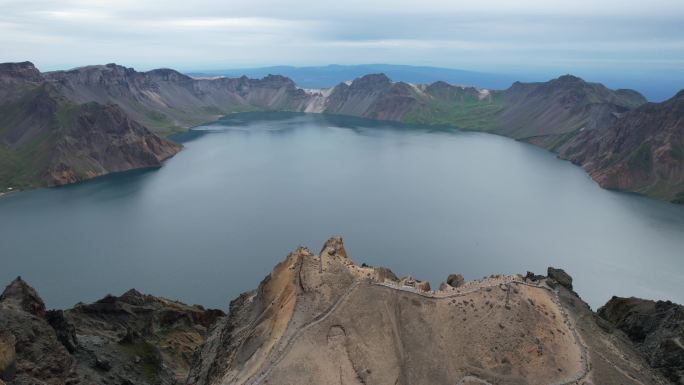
[(24, 168), (679, 199), (641, 158), (150, 359), (467, 114)]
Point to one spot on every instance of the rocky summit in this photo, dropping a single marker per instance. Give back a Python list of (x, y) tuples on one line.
[(322, 319)]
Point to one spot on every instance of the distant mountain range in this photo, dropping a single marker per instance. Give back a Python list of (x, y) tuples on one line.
[(655, 86), (66, 126), (331, 75)]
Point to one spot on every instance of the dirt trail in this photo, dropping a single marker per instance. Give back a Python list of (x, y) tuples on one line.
[(279, 353)]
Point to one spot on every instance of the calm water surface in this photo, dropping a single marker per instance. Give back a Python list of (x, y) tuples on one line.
[(248, 189)]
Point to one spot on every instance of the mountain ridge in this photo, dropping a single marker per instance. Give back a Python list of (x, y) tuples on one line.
[(321, 318), (561, 115)]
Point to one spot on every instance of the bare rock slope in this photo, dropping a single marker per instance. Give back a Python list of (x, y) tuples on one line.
[(321, 319), (48, 139), (131, 339), (657, 329)]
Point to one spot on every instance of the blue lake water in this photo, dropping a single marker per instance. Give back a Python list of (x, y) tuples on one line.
[(250, 188)]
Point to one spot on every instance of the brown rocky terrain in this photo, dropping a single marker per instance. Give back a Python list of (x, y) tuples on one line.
[(322, 319), (131, 339)]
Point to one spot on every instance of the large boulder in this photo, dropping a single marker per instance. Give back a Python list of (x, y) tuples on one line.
[(455, 280), (560, 276)]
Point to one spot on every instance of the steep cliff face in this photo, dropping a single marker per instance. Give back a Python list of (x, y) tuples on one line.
[(335, 322), (47, 139), (131, 339), (657, 329), (642, 151), (99, 139), (166, 100)]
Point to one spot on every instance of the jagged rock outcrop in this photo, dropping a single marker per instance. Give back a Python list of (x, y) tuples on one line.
[(560, 276), (320, 319), (138, 338), (455, 280), (32, 353), (22, 296), (657, 329), (131, 339)]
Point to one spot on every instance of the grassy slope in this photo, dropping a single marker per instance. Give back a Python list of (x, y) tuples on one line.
[(23, 167), (461, 112)]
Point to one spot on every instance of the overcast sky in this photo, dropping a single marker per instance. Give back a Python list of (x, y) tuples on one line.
[(489, 35)]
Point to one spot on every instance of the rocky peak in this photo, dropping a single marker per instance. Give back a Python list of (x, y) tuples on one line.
[(167, 74), (566, 79), (334, 246), (133, 297), (24, 71), (20, 294), (371, 81), (277, 80), (440, 84), (455, 280), (100, 75)]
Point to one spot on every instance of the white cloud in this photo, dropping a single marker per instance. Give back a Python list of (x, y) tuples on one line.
[(456, 33)]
